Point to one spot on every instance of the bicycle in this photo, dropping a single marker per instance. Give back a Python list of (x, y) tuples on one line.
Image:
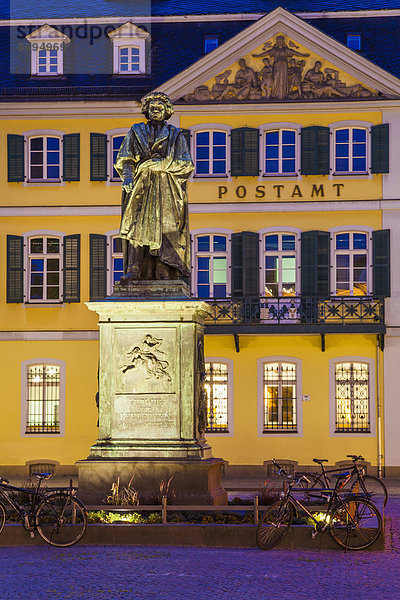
[(58, 517), (353, 522), (357, 478)]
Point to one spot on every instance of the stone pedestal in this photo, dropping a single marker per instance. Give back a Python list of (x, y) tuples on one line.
[(151, 399)]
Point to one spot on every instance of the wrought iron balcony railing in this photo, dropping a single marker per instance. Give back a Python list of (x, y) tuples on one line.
[(307, 310)]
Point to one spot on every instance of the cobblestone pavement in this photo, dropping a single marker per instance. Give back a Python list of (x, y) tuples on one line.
[(172, 573)]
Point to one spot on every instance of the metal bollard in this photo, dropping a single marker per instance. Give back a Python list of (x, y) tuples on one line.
[(164, 509), (255, 510)]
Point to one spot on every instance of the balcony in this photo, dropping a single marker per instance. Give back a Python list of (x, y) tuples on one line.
[(255, 315)]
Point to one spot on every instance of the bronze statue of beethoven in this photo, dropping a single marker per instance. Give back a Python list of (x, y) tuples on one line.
[(154, 164)]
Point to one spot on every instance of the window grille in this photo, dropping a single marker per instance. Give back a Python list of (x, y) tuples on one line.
[(216, 387), (352, 397), (43, 399), (280, 396)]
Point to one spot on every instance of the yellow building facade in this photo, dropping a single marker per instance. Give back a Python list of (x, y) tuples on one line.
[(290, 246)]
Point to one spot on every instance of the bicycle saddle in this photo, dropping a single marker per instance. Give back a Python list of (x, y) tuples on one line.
[(43, 475), (320, 460)]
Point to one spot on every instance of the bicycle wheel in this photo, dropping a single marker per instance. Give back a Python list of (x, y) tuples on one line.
[(2, 517), (355, 523), (61, 519), (274, 524), (374, 486)]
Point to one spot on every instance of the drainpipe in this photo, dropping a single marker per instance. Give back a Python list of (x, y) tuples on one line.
[(378, 407)]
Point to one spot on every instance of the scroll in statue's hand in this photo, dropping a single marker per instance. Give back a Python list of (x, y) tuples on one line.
[(128, 184)]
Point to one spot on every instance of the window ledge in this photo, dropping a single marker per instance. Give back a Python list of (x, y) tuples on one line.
[(36, 76), (46, 183), (211, 176), (351, 174), (43, 303)]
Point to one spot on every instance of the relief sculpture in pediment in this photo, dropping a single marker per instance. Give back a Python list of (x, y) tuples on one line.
[(280, 72)]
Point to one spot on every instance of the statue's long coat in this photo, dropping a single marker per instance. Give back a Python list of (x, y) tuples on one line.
[(155, 213)]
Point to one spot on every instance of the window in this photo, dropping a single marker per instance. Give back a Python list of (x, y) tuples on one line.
[(279, 396), (44, 268), (280, 152), (211, 152), (351, 264), (216, 387), (117, 270), (47, 51), (211, 265), (210, 43), (279, 264), (129, 49), (44, 158), (129, 59), (43, 398), (352, 397), (354, 41), (350, 150), (116, 141)]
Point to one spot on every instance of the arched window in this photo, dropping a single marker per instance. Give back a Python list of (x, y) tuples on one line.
[(280, 396), (217, 391), (350, 150), (43, 397), (352, 397), (44, 158)]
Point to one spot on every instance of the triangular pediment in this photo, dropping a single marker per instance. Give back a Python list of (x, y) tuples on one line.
[(128, 31), (46, 32), (280, 58)]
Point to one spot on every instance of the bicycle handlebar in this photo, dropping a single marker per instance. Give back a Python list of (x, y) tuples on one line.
[(281, 471), (4, 480), (355, 458)]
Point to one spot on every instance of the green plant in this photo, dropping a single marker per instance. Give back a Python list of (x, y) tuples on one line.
[(102, 516), (127, 496), (207, 519), (154, 518)]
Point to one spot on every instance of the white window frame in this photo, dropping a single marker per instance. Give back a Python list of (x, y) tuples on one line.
[(210, 127), (350, 229), (350, 125), (279, 126), (211, 231), (34, 133), (280, 230), (128, 35), (332, 396), (111, 133), (275, 433), (24, 396), (47, 35), (229, 363), (26, 238), (110, 235)]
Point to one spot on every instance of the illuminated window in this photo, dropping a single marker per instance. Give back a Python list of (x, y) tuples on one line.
[(43, 398), (354, 41), (279, 396), (116, 141), (211, 152), (216, 386), (44, 269), (210, 43), (352, 397), (44, 158), (351, 264), (279, 264), (211, 265), (280, 152), (350, 150)]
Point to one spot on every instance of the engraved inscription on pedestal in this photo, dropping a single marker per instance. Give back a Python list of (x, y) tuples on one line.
[(145, 417)]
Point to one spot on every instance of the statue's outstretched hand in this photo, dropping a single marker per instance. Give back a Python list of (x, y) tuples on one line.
[(128, 184)]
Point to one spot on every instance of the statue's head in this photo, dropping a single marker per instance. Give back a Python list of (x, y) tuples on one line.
[(156, 99)]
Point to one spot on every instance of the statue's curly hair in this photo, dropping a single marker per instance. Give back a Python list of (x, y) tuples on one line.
[(169, 109)]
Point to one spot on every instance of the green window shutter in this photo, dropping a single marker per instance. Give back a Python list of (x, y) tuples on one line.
[(245, 264), (71, 157), (315, 263), (15, 268), (72, 268), (315, 142), (15, 155), (98, 266), (245, 147), (98, 157), (381, 262), (380, 148), (186, 135)]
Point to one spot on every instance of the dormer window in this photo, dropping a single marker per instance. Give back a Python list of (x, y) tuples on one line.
[(47, 51), (129, 44)]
